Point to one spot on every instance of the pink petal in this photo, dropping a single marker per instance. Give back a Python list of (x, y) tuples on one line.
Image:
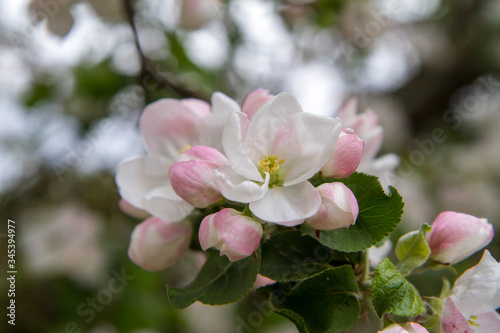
[(254, 100), (452, 320)]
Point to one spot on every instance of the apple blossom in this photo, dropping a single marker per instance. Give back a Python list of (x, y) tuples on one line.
[(192, 176), (169, 127), (456, 236), (474, 298), (234, 234), (407, 328), (346, 156), (156, 244), (271, 158), (339, 208)]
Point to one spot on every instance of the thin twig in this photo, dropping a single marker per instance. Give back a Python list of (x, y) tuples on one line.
[(148, 72)]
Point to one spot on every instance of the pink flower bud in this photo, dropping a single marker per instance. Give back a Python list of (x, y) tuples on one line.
[(456, 236), (156, 244), (254, 100), (234, 234), (346, 156), (192, 178), (339, 207)]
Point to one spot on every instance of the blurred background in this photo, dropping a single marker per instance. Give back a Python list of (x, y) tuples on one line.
[(75, 75)]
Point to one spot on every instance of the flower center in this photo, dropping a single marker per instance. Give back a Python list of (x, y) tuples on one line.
[(184, 149), (271, 165), (471, 321)]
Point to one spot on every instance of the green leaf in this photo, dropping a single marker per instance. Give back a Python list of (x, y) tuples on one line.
[(326, 302), (379, 214), (288, 256), (392, 293), (220, 281), (412, 250)]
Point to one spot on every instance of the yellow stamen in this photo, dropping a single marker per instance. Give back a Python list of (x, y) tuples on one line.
[(270, 164), (471, 321), (185, 148)]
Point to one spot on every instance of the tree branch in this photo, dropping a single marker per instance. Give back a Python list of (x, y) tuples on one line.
[(151, 79)]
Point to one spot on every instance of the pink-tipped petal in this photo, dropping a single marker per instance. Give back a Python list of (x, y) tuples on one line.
[(254, 100), (198, 106), (452, 320), (168, 125), (477, 290)]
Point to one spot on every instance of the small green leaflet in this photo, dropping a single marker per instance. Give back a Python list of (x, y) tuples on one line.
[(392, 293), (412, 250)]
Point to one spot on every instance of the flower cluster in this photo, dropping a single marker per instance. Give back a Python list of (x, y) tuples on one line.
[(261, 155), (266, 188)]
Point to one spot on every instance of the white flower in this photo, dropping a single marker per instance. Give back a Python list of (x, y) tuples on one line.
[(474, 299), (271, 158), (169, 127)]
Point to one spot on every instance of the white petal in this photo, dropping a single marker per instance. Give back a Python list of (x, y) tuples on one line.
[(314, 141), (234, 187), (223, 108), (289, 205), (476, 290), (164, 203), (488, 322), (139, 176), (270, 126), (233, 147)]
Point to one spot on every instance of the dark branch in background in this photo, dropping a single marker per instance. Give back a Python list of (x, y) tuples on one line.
[(150, 78)]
